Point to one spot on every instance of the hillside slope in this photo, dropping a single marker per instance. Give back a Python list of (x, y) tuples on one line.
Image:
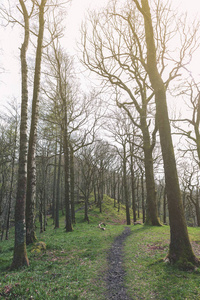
[(74, 264)]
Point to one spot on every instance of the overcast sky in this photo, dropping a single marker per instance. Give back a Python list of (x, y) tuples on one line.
[(10, 42)]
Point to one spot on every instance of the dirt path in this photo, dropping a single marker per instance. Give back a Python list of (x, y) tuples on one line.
[(116, 273)]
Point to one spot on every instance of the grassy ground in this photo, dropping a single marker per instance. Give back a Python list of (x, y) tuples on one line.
[(148, 277), (73, 265)]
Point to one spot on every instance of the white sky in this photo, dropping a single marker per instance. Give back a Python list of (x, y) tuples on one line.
[(10, 42)]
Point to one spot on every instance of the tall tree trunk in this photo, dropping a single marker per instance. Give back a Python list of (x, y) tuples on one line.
[(151, 210), (118, 193), (44, 208), (41, 213), (68, 225), (95, 194), (128, 219), (20, 258), (133, 185), (11, 184), (114, 188), (180, 248), (31, 168), (86, 217), (58, 189), (138, 199), (54, 185), (72, 183), (143, 203)]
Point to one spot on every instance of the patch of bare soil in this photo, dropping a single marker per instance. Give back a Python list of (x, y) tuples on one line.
[(116, 273)]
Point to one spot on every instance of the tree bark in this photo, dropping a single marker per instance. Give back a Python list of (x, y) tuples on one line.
[(128, 219), (72, 183), (133, 186), (143, 203), (11, 184), (54, 185), (151, 210), (58, 189), (31, 168), (20, 258), (180, 249), (68, 221)]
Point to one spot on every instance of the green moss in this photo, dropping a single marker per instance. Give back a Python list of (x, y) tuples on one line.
[(184, 259), (185, 265), (38, 247)]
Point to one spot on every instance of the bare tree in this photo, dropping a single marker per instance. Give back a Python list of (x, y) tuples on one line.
[(20, 255), (114, 60), (180, 248), (118, 62), (31, 167)]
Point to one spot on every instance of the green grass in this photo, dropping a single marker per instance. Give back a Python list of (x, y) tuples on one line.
[(74, 264), (148, 277)]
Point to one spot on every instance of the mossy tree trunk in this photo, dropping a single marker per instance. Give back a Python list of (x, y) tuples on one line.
[(31, 168), (20, 258), (180, 249)]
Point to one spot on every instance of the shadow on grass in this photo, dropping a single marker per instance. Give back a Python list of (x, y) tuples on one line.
[(171, 283), (149, 275)]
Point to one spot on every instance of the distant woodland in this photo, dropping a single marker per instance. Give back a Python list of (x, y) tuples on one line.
[(65, 140)]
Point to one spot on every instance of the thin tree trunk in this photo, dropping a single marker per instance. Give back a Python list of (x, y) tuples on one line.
[(118, 193), (151, 210), (44, 209), (114, 189), (20, 258), (133, 186), (143, 204), (68, 221), (138, 200), (95, 195), (41, 214), (72, 184), (86, 217), (128, 219), (31, 168), (58, 189), (54, 186), (11, 187)]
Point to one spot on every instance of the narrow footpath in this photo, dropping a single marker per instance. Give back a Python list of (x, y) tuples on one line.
[(116, 273)]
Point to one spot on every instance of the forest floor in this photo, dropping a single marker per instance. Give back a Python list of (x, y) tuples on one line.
[(89, 263)]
